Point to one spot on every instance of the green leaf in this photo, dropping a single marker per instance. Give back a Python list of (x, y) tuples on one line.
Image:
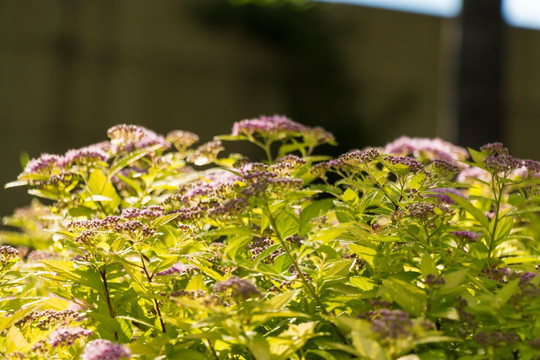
[(184, 354), (162, 220), (315, 209), (365, 253), (282, 263), (259, 347), (504, 226), (279, 301), (350, 197), (368, 348), (411, 298), (476, 213), (15, 340), (328, 234), (131, 158), (235, 244), (291, 340), (427, 266), (508, 290), (196, 283), (287, 224), (102, 190), (363, 283), (84, 276), (477, 157)]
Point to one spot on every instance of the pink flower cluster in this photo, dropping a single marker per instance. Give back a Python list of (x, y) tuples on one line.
[(105, 350), (430, 148), (47, 162), (267, 125), (67, 336)]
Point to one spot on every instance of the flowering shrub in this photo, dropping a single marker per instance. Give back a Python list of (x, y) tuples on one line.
[(144, 247)]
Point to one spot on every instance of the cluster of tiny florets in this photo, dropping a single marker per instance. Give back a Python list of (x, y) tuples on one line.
[(445, 167), (47, 318), (389, 324), (150, 212), (67, 336), (413, 164), (182, 139), (178, 268), (359, 156), (8, 253), (206, 153), (132, 137), (105, 350), (267, 125), (424, 147), (239, 288), (465, 235), (495, 338), (421, 210), (501, 163)]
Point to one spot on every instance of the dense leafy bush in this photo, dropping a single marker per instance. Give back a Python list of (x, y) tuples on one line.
[(147, 248)]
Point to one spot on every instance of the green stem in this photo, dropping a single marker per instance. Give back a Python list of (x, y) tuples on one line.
[(108, 295), (156, 304), (498, 197)]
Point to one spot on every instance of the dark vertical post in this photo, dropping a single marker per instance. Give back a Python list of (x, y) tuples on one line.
[(480, 99)]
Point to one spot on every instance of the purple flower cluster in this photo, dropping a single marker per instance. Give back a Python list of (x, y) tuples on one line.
[(239, 288), (42, 164), (445, 167), (114, 223), (421, 210), (268, 125), (495, 338), (429, 148), (131, 137), (150, 212), (47, 164), (67, 336), (389, 324), (177, 268), (465, 235), (413, 164), (47, 318), (501, 163), (287, 165), (359, 156), (89, 154), (495, 148), (105, 350), (259, 245)]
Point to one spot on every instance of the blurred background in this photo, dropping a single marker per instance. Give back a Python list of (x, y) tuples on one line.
[(368, 71)]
